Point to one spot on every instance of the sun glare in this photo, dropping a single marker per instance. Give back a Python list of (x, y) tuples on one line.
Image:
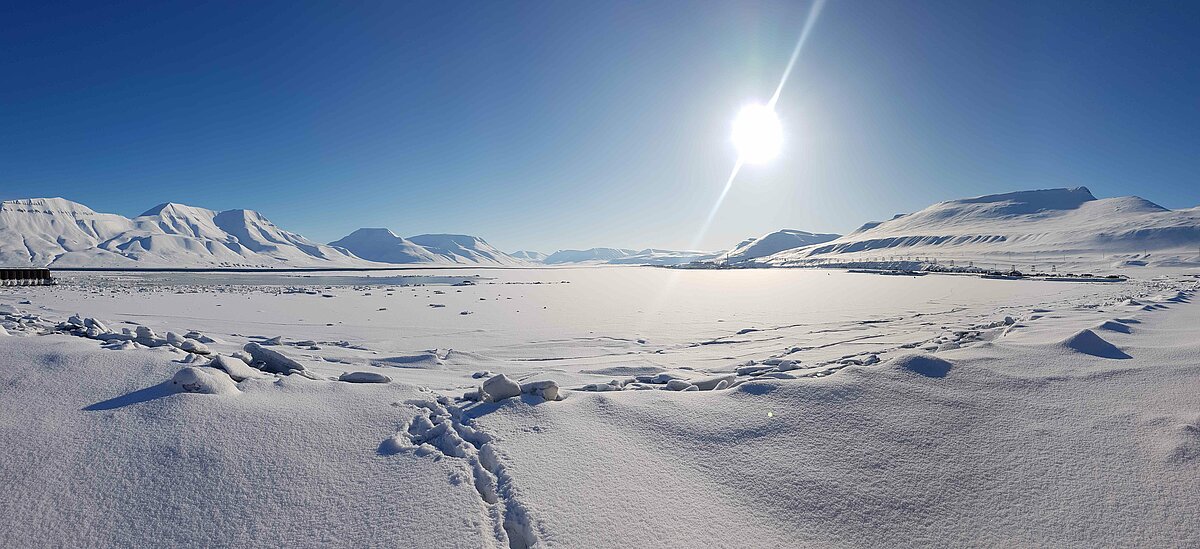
[(757, 134)]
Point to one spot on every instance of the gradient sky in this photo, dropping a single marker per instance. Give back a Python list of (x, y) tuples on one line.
[(547, 125)]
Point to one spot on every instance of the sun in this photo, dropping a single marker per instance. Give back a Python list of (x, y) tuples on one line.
[(757, 134)]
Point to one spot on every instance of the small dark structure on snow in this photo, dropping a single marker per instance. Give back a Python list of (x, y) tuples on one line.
[(25, 276)]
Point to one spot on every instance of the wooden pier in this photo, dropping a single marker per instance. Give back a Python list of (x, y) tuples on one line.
[(25, 276)]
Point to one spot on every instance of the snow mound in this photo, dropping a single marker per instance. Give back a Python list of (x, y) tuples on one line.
[(208, 381), (923, 364), (1115, 326), (1089, 343)]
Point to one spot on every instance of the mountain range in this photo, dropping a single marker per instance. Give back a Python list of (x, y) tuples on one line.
[(1040, 226), (58, 232), (61, 233)]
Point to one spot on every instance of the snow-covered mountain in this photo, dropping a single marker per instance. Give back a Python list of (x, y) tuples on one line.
[(652, 256), (772, 243), (384, 246), (58, 232), (624, 256), (1042, 226), (463, 249), (592, 255), (529, 255)]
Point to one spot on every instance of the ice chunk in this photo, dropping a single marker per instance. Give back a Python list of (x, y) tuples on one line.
[(712, 383), (193, 346), (501, 387), (92, 323), (175, 340), (147, 337), (199, 337), (787, 365), (753, 370), (269, 360), (547, 389), (680, 385), (364, 377), (235, 367)]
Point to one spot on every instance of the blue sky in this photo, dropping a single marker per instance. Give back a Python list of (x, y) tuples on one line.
[(547, 125)]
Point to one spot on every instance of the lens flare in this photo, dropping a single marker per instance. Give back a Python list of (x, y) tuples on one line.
[(757, 134)]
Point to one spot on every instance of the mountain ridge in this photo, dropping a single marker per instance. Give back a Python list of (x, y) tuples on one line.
[(1020, 226)]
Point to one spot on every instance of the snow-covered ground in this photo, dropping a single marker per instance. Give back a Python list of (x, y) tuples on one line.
[(749, 408)]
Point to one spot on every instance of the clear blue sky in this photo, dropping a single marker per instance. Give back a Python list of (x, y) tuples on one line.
[(546, 125)]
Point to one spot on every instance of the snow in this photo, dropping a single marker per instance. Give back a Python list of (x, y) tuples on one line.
[(653, 256), (630, 407), (204, 380), (58, 232), (529, 255), (457, 248), (110, 456), (61, 233), (592, 255), (772, 243), (1031, 230), (385, 247), (622, 256)]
